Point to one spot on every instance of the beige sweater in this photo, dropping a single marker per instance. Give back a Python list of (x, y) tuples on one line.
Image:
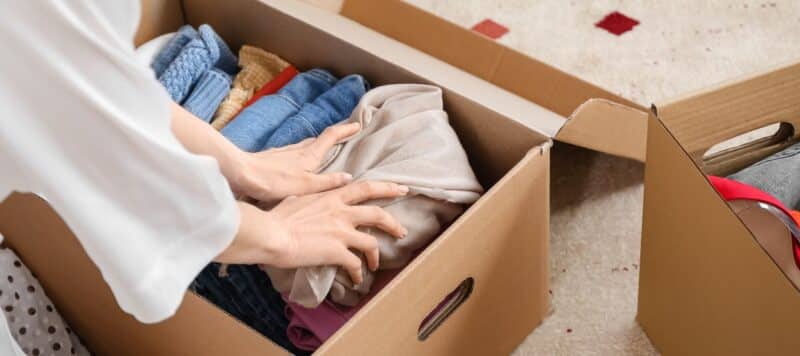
[(405, 138)]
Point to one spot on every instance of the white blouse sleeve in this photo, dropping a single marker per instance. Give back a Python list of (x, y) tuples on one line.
[(87, 126)]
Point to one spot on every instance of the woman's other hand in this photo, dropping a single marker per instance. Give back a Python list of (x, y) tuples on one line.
[(272, 175), (317, 229)]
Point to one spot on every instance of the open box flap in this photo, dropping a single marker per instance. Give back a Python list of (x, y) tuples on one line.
[(590, 116), (605, 126)]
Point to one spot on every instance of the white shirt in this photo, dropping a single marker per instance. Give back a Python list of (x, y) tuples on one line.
[(87, 126)]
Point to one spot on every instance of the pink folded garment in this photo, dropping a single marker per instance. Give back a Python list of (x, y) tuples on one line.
[(310, 328)]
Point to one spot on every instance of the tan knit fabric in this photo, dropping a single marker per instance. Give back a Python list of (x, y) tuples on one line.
[(258, 68)]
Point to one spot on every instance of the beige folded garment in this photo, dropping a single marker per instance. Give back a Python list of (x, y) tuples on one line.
[(406, 139)]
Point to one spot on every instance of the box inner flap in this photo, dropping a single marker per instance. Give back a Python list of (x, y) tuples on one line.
[(440, 73), (606, 126)]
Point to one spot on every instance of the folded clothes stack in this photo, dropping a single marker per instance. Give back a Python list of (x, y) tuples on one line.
[(405, 138), (200, 72)]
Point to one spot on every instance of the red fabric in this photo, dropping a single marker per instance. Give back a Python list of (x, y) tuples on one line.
[(617, 23), (733, 190), (274, 85), (490, 29), (796, 216)]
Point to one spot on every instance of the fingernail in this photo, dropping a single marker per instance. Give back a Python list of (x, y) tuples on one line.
[(403, 189), (347, 177)]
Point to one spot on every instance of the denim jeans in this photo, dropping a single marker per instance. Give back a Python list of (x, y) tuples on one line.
[(171, 50), (206, 51), (330, 108), (778, 175), (206, 95), (251, 129), (247, 294)]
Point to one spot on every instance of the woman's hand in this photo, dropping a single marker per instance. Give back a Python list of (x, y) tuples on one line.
[(317, 229), (275, 174), (267, 176)]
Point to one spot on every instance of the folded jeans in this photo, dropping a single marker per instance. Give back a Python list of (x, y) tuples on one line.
[(328, 109), (251, 129)]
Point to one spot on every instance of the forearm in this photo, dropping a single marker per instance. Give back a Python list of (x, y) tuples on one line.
[(253, 243), (200, 138)]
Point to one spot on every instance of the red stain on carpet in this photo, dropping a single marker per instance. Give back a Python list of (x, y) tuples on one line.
[(490, 29), (617, 23)]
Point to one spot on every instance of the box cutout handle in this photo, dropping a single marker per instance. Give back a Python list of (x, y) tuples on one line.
[(761, 137), (445, 308)]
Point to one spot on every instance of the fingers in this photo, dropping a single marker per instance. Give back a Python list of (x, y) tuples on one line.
[(377, 217), (316, 183), (352, 264), (367, 244), (368, 190), (330, 137)]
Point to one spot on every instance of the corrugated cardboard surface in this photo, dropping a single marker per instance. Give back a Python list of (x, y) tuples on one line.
[(158, 17), (596, 124), (702, 119), (501, 241), (622, 130), (707, 286)]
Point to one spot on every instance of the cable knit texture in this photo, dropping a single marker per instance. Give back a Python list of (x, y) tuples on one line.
[(171, 50), (209, 91), (258, 68), (197, 57)]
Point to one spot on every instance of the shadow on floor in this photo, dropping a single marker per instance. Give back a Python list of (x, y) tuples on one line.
[(578, 174)]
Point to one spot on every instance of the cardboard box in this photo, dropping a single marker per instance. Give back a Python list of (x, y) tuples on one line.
[(707, 287), (589, 116), (500, 243)]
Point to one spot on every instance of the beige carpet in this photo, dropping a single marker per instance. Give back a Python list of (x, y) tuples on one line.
[(679, 46)]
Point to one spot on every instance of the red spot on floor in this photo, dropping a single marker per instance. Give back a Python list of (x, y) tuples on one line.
[(569, 330), (617, 23), (490, 29)]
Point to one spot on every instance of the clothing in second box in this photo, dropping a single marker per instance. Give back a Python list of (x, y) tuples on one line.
[(776, 175)]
